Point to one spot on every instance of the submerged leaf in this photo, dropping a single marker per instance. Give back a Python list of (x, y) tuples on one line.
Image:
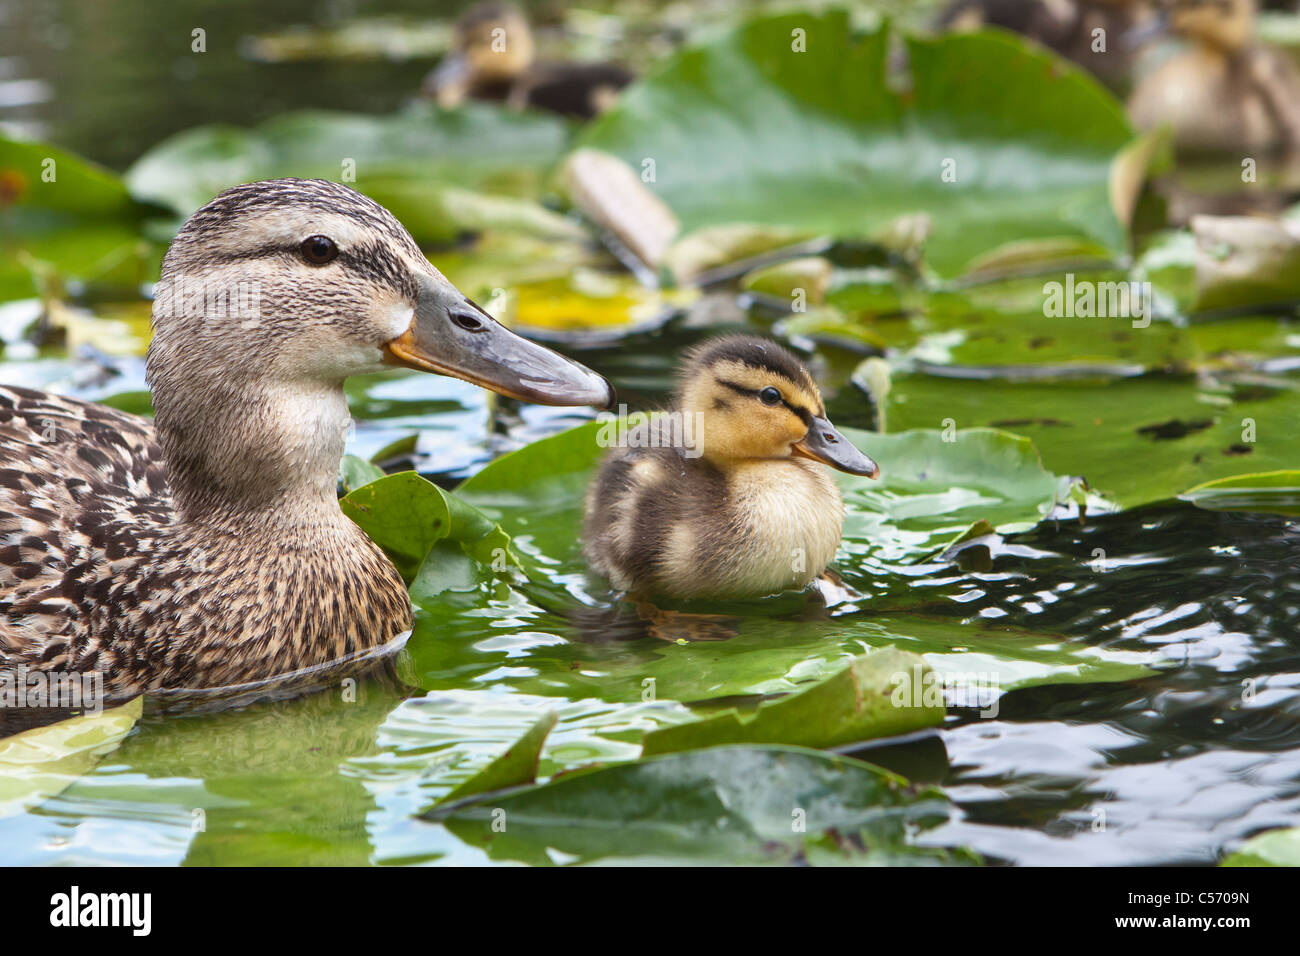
[(720, 805), (39, 763)]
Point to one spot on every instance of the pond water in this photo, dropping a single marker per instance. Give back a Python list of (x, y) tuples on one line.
[(1174, 761), (1168, 768)]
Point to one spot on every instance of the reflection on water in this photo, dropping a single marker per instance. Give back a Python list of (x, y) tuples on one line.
[(1163, 770), (1172, 767)]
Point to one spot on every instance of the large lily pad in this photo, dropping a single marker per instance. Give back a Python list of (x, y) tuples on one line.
[(932, 491), (1135, 440), (721, 805), (747, 129)]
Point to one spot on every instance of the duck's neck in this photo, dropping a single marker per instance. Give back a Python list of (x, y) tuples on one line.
[(252, 452)]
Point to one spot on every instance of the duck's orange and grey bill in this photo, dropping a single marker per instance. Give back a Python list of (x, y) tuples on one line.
[(450, 335), (824, 443)]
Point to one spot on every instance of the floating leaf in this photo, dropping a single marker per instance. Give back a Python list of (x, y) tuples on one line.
[(1274, 848), (407, 515), (66, 217), (721, 805), (861, 702), (355, 472), (997, 140), (1275, 491), (425, 165), (1135, 440), (514, 768), (36, 764)]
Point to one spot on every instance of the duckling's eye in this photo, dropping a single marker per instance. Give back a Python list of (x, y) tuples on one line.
[(770, 396), (319, 250)]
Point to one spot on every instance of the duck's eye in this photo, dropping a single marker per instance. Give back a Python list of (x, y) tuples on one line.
[(769, 396), (319, 250)]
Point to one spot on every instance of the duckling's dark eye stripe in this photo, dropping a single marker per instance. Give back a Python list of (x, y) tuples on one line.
[(805, 415)]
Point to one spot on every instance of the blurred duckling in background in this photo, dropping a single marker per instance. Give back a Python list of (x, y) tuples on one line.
[(1227, 93), (1067, 26), (493, 57), (742, 507)]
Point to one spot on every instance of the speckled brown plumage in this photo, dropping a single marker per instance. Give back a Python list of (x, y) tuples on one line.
[(207, 549), (97, 574), (210, 550)]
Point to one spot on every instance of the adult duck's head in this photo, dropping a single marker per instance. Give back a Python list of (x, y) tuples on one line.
[(275, 292), (492, 44)]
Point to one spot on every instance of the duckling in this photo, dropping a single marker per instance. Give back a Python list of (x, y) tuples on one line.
[(207, 548), (493, 58), (727, 498), (1067, 26), (1227, 94)]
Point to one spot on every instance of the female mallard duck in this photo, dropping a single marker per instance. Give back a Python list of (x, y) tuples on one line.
[(207, 548), (737, 505), (1227, 93), (492, 58)]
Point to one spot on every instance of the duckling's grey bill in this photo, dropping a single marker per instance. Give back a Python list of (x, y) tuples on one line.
[(450, 335), (824, 443)]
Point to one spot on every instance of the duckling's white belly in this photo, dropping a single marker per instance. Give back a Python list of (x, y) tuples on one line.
[(784, 525)]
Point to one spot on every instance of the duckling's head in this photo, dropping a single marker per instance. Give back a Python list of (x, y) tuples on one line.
[(753, 400), (1227, 25), (492, 44), (275, 292)]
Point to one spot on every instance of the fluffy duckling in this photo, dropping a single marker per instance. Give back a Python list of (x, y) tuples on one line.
[(493, 58), (1227, 93), (206, 548), (727, 498)]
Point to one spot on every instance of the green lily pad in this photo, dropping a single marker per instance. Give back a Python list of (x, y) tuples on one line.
[(861, 702), (36, 764), (934, 485), (426, 165), (724, 804), (1135, 440), (514, 768), (997, 140), (66, 217), (1275, 848), (932, 491), (355, 472), (1274, 491), (407, 515)]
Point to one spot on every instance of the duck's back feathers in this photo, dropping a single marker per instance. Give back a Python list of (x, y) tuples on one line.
[(96, 573)]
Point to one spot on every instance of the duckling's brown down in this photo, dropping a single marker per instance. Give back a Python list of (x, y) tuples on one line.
[(736, 504)]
